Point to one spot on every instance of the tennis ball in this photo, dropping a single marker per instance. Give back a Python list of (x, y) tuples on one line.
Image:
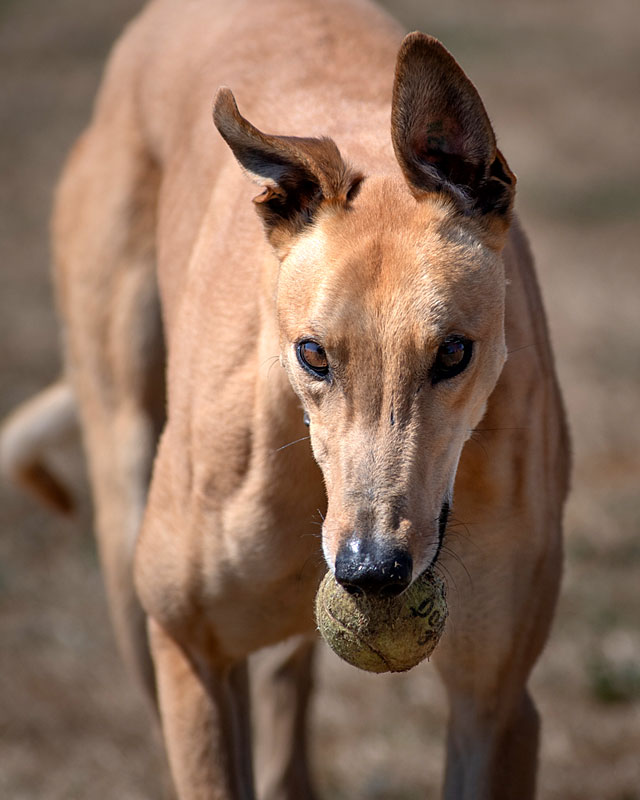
[(381, 634)]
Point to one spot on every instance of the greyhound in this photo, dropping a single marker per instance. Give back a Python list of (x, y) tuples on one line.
[(238, 374)]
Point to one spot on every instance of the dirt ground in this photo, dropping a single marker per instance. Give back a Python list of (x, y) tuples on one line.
[(561, 83)]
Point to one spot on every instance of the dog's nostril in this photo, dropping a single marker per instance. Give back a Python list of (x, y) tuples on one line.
[(365, 567)]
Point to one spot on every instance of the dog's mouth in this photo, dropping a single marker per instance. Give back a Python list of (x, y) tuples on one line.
[(369, 566), (442, 528)]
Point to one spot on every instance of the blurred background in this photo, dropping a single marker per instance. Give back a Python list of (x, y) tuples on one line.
[(561, 83)]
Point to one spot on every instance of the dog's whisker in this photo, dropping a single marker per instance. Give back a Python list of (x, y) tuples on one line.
[(274, 360), (493, 430), (461, 531), (452, 588), (456, 522), (522, 347), (449, 579), (463, 536), (289, 444), (458, 559), (311, 533), (472, 438), (314, 558)]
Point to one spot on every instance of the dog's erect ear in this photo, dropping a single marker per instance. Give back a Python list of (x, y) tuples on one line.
[(441, 133), (299, 175)]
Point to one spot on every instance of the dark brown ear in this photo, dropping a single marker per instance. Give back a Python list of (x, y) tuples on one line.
[(441, 133), (299, 175)]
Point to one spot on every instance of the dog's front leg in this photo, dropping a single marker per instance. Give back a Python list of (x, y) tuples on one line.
[(205, 720), (485, 660), (490, 758), (504, 567), (284, 685), (504, 572)]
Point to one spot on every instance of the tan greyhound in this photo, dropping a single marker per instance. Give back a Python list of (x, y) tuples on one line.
[(379, 309)]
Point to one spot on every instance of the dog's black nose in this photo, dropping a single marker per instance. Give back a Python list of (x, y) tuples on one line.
[(364, 566)]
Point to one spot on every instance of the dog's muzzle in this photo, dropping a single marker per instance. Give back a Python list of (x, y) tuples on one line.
[(442, 529), (365, 566)]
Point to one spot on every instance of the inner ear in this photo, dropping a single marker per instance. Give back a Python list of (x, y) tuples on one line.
[(441, 132), (298, 174)]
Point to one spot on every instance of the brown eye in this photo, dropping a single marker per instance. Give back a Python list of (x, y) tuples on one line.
[(453, 356), (313, 357)]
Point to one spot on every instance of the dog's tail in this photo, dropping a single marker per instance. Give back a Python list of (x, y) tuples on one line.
[(39, 424)]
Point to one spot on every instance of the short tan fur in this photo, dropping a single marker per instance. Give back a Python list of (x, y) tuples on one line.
[(389, 254)]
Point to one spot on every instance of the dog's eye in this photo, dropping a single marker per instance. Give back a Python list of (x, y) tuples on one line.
[(313, 357), (453, 356)]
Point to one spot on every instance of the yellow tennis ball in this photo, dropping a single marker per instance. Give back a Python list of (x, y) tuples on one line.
[(380, 634)]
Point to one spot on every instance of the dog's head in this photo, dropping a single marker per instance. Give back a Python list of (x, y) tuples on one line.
[(390, 305)]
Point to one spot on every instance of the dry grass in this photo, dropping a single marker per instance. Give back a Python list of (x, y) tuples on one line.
[(560, 81)]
